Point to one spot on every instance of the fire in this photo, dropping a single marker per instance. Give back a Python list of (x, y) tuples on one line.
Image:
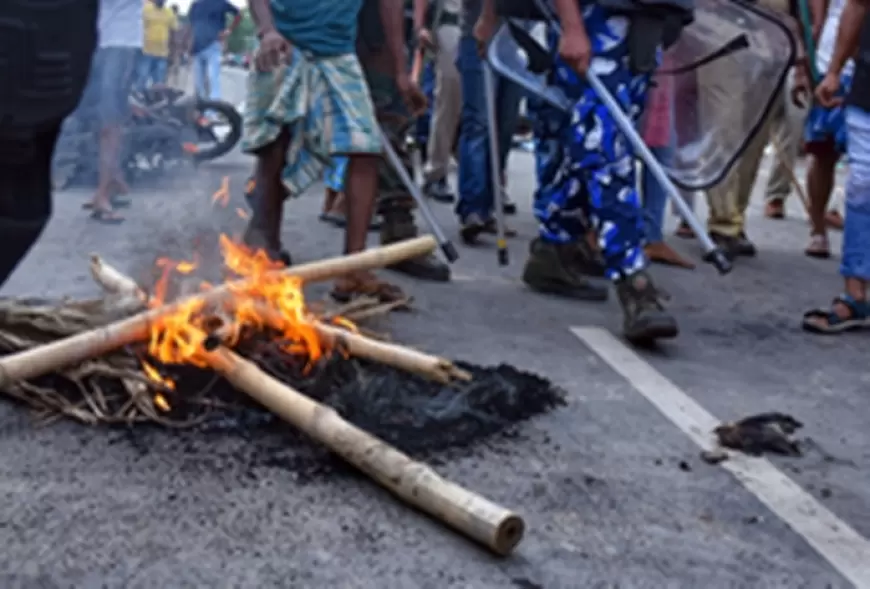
[(262, 297)]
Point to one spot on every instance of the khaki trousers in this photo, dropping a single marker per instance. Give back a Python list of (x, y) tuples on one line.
[(448, 103)]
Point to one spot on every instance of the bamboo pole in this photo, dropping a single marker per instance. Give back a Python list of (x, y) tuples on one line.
[(493, 526), (35, 362)]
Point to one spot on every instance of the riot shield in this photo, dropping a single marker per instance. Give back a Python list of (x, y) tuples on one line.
[(727, 69)]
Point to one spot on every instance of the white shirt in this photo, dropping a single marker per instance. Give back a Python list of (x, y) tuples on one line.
[(828, 39), (121, 23)]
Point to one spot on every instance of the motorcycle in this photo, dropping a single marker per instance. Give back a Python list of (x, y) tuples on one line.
[(165, 129)]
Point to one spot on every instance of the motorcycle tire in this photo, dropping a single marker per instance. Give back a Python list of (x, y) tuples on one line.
[(232, 116)]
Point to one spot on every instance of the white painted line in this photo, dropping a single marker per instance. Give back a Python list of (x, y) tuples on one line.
[(844, 548)]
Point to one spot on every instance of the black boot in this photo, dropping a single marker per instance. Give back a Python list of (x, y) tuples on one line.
[(587, 261), (645, 319), (398, 225), (552, 268)]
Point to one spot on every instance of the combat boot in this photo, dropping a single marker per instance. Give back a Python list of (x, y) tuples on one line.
[(398, 225), (552, 269), (645, 319)]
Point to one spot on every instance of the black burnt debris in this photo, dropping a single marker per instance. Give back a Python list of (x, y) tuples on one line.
[(424, 419)]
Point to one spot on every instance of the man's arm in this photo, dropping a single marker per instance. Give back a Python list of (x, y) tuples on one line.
[(392, 18), (818, 12), (237, 18), (848, 34), (420, 7), (261, 13)]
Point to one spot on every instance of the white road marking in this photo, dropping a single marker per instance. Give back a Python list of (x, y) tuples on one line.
[(844, 548)]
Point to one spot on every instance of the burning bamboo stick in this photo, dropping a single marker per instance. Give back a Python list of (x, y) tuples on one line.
[(35, 362), (496, 527), (402, 357)]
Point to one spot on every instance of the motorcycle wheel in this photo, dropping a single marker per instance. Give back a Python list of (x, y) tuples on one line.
[(225, 144)]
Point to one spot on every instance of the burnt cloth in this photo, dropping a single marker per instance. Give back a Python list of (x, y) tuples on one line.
[(45, 56)]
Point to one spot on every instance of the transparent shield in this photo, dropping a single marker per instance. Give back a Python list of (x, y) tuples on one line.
[(723, 76)]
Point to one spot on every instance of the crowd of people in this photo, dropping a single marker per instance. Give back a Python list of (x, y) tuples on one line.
[(331, 81)]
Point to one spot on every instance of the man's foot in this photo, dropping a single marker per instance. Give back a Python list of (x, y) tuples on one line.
[(660, 252), (510, 207), (471, 227), (439, 191), (552, 269), (775, 209), (845, 314), (745, 247), (645, 319), (398, 225), (587, 260), (256, 238), (834, 220), (684, 231), (818, 247), (727, 243), (365, 284)]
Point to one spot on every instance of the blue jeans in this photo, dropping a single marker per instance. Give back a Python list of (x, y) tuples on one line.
[(151, 70), (856, 232), (585, 166), (655, 199), (427, 85), (476, 194), (207, 72)]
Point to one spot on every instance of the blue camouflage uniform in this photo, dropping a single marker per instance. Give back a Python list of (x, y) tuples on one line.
[(585, 165)]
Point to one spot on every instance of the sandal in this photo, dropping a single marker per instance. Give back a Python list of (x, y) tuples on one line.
[(660, 252), (818, 247), (106, 217), (354, 286), (115, 201), (834, 220), (829, 321), (684, 231)]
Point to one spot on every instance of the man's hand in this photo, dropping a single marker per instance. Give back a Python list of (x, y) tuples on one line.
[(425, 38), (801, 90), (273, 51), (414, 99), (484, 29), (826, 92), (575, 50)]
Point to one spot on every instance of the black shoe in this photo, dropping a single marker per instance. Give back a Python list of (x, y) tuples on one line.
[(587, 261), (439, 191), (471, 227), (728, 244), (645, 319), (551, 269), (744, 247), (510, 207), (398, 225)]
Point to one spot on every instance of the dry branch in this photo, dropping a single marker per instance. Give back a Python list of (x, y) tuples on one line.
[(74, 349), (414, 482)]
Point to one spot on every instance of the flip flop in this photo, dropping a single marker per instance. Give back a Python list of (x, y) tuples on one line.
[(818, 247), (105, 217), (116, 202)]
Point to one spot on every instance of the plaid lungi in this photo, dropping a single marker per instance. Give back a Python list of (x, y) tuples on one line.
[(325, 103)]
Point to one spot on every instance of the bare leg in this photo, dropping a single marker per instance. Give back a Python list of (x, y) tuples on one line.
[(264, 229), (362, 187), (820, 184), (110, 143)]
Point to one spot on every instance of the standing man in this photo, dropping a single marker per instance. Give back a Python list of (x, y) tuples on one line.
[(208, 31), (443, 40), (107, 99), (476, 189), (586, 165), (851, 310), (60, 37), (160, 24)]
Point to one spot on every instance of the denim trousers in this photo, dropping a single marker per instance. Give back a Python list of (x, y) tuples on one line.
[(207, 71), (151, 69), (476, 193), (856, 232)]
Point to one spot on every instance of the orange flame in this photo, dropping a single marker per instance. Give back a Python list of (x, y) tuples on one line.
[(263, 298), (222, 195)]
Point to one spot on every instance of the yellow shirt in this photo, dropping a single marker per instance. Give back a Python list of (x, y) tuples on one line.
[(159, 24)]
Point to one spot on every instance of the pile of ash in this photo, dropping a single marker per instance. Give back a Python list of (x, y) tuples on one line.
[(424, 419)]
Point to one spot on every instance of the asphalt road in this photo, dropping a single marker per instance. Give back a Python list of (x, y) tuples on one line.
[(611, 485)]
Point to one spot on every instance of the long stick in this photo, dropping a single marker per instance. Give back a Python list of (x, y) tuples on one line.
[(792, 177), (35, 362), (417, 484)]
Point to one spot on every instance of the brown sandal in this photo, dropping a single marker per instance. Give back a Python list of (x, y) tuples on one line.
[(366, 285), (818, 247), (834, 220), (661, 253)]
